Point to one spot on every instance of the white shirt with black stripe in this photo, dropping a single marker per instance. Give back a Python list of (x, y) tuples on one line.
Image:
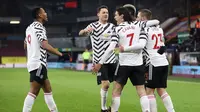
[(36, 55), (155, 40), (126, 34), (100, 39), (151, 38), (129, 34)]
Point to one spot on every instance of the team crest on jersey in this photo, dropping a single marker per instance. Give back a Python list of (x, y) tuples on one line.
[(106, 35)]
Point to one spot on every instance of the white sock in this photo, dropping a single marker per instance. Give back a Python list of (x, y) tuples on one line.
[(144, 102), (50, 102), (28, 103), (152, 102), (115, 104), (168, 102), (104, 95)]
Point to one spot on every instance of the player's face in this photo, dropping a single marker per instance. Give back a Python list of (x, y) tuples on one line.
[(43, 15), (140, 17), (118, 18), (103, 14)]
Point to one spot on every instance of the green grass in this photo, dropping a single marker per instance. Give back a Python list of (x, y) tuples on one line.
[(77, 92)]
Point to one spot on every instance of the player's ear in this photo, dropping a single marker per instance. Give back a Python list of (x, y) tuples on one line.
[(39, 15), (98, 14)]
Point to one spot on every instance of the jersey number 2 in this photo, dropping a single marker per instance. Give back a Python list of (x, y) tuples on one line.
[(158, 37), (131, 35)]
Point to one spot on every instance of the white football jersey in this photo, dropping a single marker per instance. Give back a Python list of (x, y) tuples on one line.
[(155, 40), (36, 55), (127, 34), (100, 39)]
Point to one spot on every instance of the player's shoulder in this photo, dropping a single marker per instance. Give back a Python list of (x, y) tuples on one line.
[(95, 23), (137, 22), (119, 27), (159, 27), (37, 26), (111, 24), (156, 28)]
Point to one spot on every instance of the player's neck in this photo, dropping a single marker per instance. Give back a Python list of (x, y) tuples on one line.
[(145, 20), (120, 22), (40, 21), (102, 22)]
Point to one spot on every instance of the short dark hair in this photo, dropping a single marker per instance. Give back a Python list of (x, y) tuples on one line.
[(101, 7), (131, 11), (122, 10), (146, 12), (36, 12)]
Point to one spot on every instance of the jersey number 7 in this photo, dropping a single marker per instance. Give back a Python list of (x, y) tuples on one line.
[(131, 35), (158, 37)]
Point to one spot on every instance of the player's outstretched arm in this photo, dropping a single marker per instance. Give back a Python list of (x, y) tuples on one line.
[(86, 31), (82, 32), (49, 48), (138, 46), (152, 22)]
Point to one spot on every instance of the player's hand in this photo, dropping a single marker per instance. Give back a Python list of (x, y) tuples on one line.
[(59, 54), (96, 68), (162, 50), (121, 48), (88, 30), (64, 55)]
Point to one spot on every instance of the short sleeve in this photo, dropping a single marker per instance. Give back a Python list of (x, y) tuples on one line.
[(40, 33)]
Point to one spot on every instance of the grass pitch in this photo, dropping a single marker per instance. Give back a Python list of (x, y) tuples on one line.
[(77, 92)]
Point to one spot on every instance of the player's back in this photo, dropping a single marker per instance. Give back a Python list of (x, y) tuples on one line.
[(128, 34), (155, 41), (36, 55)]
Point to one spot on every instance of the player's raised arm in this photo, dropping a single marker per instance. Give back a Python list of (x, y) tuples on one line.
[(144, 24), (152, 22), (87, 31), (144, 19)]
